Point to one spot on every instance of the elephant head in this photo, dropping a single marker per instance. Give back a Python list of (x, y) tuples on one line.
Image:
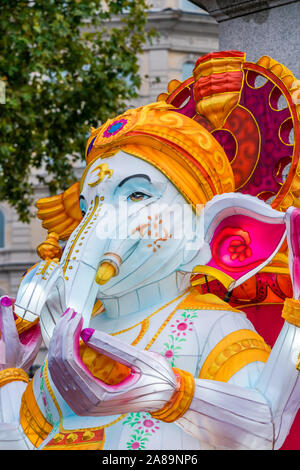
[(155, 202)]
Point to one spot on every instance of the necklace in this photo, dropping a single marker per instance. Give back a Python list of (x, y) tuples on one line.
[(146, 322)]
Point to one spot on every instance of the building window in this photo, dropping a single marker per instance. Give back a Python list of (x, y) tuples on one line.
[(2, 229), (187, 70), (186, 5)]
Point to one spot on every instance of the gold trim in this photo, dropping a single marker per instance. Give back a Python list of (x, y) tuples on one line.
[(13, 374), (259, 149), (275, 87), (225, 279), (60, 213), (86, 440), (206, 302), (291, 311), (98, 308), (79, 233), (104, 171), (232, 353), (257, 74), (290, 118), (181, 399), (275, 269), (50, 249), (222, 64), (33, 423), (145, 322)]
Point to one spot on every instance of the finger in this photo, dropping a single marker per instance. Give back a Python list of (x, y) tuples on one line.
[(71, 335), (55, 345), (7, 322), (74, 382), (156, 364), (67, 356), (29, 337), (31, 353), (31, 340), (110, 346), (59, 354), (144, 361)]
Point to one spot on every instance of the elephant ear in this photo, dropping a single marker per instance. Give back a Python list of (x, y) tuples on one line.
[(293, 241), (243, 234), (61, 213)]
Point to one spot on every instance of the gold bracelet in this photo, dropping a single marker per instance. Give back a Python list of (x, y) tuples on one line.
[(12, 375), (34, 425), (181, 399), (291, 311)]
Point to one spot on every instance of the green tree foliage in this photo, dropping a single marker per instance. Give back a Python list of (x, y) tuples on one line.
[(67, 65)]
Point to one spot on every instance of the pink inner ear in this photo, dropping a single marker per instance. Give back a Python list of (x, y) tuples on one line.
[(241, 243), (295, 248)]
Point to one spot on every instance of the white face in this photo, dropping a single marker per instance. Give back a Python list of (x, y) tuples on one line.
[(132, 212), (140, 218), (126, 178)]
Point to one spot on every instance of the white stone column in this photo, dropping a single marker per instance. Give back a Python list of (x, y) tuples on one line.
[(259, 28)]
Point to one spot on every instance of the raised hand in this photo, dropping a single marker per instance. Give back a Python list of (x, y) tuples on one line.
[(16, 351), (148, 387)]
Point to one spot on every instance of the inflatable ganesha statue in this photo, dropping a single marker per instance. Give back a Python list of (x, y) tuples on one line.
[(168, 291)]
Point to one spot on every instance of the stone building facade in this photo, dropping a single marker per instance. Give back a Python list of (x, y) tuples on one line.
[(186, 32)]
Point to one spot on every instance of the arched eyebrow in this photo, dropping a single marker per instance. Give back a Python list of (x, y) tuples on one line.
[(134, 176)]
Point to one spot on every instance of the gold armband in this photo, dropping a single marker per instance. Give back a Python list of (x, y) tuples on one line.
[(235, 351), (33, 423), (181, 399), (291, 311), (12, 375)]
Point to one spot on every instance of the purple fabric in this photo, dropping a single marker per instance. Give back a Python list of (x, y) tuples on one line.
[(90, 146), (273, 150), (185, 102), (225, 138)]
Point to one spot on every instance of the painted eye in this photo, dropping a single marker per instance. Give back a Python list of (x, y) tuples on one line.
[(83, 205), (138, 196)]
